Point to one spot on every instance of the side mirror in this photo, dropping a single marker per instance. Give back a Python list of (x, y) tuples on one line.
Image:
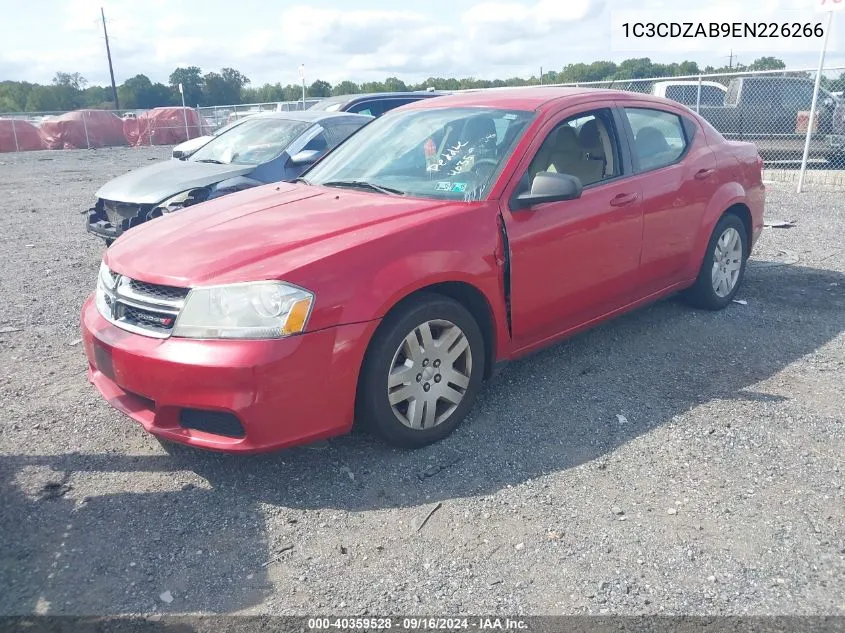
[(549, 187), (305, 157), (178, 153)]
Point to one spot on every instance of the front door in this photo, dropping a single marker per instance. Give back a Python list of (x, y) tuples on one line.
[(576, 260)]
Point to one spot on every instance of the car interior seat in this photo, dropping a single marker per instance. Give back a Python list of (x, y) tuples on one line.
[(591, 143), (567, 157), (650, 144)]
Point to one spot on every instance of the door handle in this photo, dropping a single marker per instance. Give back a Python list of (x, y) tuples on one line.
[(624, 198), (701, 174)]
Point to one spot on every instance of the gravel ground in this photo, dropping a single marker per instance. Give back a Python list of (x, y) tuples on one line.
[(719, 490)]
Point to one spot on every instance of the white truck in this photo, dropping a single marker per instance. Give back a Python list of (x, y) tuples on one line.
[(686, 92)]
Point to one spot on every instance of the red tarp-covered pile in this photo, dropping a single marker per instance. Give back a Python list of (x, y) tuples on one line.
[(163, 126), (83, 129), (26, 133)]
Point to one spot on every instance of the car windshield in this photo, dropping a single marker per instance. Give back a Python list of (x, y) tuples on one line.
[(441, 153), (252, 142)]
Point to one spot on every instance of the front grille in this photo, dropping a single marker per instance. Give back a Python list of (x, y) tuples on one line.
[(157, 291), (147, 319), (141, 307)]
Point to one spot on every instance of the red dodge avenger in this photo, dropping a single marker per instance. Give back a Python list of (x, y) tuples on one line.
[(439, 241)]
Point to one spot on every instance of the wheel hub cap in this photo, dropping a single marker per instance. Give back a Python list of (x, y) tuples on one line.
[(727, 262), (429, 374)]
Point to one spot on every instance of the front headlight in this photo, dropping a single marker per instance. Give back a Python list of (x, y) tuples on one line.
[(105, 286), (106, 277), (261, 309), (184, 199)]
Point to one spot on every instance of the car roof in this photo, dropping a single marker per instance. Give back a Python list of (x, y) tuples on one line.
[(311, 116), (524, 98), (348, 99)]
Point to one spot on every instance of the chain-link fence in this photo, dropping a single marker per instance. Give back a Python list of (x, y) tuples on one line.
[(771, 109), (216, 117), (91, 129)]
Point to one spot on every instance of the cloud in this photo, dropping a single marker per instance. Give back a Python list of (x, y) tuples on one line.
[(335, 40)]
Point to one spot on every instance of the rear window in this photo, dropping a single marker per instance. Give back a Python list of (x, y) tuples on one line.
[(688, 95)]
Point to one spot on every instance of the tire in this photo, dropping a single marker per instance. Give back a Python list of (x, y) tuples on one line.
[(416, 407), (723, 269), (109, 242)]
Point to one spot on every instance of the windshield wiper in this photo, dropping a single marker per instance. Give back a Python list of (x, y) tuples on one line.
[(302, 180), (363, 184), (210, 160)]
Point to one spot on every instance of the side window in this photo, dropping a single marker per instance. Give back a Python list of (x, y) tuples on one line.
[(318, 143), (758, 93), (682, 94), (659, 138), (711, 95), (370, 108), (796, 95), (335, 134), (584, 146), (390, 104)]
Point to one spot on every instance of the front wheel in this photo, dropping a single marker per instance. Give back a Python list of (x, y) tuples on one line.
[(422, 372), (723, 267)]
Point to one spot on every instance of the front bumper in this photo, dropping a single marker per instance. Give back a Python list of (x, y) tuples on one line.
[(282, 392), (98, 224)]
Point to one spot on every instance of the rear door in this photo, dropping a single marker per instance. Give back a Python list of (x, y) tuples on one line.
[(677, 170)]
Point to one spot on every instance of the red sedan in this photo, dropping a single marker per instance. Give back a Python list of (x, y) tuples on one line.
[(439, 241)]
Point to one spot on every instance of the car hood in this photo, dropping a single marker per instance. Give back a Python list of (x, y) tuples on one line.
[(260, 233), (155, 183)]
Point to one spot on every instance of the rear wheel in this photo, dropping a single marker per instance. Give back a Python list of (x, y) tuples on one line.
[(723, 267), (422, 372)]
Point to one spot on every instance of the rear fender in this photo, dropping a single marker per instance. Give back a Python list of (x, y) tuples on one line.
[(727, 195)]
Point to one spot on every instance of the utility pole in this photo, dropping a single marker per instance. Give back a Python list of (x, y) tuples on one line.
[(731, 60), (111, 69)]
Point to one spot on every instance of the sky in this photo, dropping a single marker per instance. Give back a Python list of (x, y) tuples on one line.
[(361, 40)]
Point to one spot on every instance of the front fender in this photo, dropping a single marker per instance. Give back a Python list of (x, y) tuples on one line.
[(727, 195)]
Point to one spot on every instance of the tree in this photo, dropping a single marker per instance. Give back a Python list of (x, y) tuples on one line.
[(292, 92), (320, 88), (393, 84), (346, 88), (636, 68), (191, 80), (41, 99), (767, 63), (13, 95), (223, 88), (133, 92), (97, 97), (72, 80)]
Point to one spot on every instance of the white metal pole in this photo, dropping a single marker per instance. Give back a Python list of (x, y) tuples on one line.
[(698, 96), (302, 76), (812, 117), (184, 112), (15, 134), (85, 127)]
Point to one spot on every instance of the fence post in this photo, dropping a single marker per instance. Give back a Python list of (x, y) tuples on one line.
[(812, 118), (85, 127), (698, 96), (15, 134)]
